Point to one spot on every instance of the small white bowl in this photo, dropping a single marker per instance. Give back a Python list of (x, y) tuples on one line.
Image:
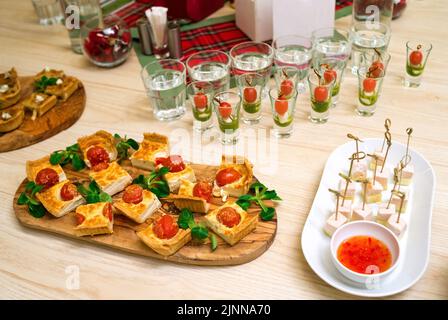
[(364, 228)]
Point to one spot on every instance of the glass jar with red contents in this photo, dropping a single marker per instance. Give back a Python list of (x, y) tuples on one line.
[(106, 43)]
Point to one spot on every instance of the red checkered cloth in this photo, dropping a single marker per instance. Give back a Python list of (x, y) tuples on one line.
[(133, 11)]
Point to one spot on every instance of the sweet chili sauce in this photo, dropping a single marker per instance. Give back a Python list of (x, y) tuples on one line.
[(364, 254)]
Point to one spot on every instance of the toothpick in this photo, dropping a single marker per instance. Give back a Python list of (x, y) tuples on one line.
[(347, 182), (364, 182), (355, 156), (357, 140), (375, 158), (388, 138), (387, 124), (338, 194), (402, 197), (409, 133), (396, 181)]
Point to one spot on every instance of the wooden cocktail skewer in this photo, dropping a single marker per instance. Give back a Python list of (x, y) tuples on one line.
[(338, 194), (402, 196), (357, 140), (347, 182), (407, 157), (396, 181), (388, 139), (356, 156), (387, 124), (375, 158), (364, 182)]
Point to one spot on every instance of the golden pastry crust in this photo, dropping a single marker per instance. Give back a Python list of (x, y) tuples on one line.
[(64, 90), (16, 117), (241, 186), (100, 138), (12, 94), (49, 73), (95, 222), (231, 235), (164, 247), (107, 179), (139, 212), (174, 178), (52, 201), (152, 146), (34, 166), (37, 107), (185, 199)]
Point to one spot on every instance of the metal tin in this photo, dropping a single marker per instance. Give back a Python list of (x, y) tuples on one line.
[(174, 42)]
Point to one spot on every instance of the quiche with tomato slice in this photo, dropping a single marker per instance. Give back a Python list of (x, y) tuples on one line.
[(231, 222), (112, 178), (98, 149), (193, 196), (233, 178), (94, 218), (61, 198), (152, 147), (137, 204), (164, 235), (178, 170), (42, 172)]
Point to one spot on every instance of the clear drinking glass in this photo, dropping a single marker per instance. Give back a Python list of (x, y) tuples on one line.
[(286, 78), (227, 106), (363, 10), (283, 109), (252, 56), (331, 42), (252, 87), (417, 54), (212, 66), (377, 62), (294, 51), (331, 69), (87, 10), (200, 95), (369, 90), (366, 37), (48, 11), (320, 96), (164, 81)]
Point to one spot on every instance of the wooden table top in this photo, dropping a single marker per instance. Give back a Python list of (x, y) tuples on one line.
[(33, 264)]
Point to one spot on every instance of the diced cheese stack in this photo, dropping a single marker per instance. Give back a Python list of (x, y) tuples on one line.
[(384, 213), (332, 224), (359, 170), (362, 214), (373, 192)]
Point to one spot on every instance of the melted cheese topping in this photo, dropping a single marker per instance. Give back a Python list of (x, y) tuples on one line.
[(134, 211), (152, 240), (218, 227), (186, 188), (93, 214), (149, 151), (108, 176), (100, 138), (185, 174), (34, 166)]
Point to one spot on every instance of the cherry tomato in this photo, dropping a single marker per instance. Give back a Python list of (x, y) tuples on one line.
[(47, 177), (165, 227), (133, 194), (226, 176), (68, 192), (79, 218), (330, 75), (174, 163), (229, 217), (376, 69), (107, 211), (96, 155), (100, 166), (286, 87), (281, 106), (203, 190), (320, 94), (250, 94), (416, 57), (200, 100), (369, 84), (225, 109)]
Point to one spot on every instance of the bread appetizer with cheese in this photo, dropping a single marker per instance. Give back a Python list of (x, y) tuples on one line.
[(9, 88), (112, 179), (152, 147), (178, 170), (194, 196), (39, 104), (42, 172), (233, 178), (61, 198), (98, 149), (94, 218)]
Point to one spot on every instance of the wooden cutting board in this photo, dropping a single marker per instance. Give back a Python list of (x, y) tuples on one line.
[(125, 239), (58, 118)]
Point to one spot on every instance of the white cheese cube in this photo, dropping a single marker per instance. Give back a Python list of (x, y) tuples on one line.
[(380, 159), (385, 213), (359, 170), (406, 175), (332, 224), (373, 192), (346, 209), (396, 227), (350, 190), (59, 81), (360, 214), (383, 177), (4, 88), (396, 200)]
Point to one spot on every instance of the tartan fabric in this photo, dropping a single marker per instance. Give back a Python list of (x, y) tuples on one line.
[(132, 12)]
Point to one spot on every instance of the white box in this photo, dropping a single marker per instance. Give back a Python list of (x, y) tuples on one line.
[(302, 17), (254, 18)]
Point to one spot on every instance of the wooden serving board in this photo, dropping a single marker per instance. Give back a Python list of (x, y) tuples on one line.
[(60, 117), (124, 237)]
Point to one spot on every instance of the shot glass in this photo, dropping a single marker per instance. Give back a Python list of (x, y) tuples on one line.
[(283, 109), (331, 70), (320, 96), (251, 87), (212, 66), (417, 54), (252, 56), (294, 51), (331, 43), (376, 61), (200, 95), (164, 81), (368, 91), (227, 106), (48, 11), (365, 37), (286, 79)]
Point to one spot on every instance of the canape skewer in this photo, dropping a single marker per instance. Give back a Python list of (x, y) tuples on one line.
[(388, 139), (387, 124), (338, 195), (402, 196), (357, 140), (375, 158), (356, 156), (347, 182)]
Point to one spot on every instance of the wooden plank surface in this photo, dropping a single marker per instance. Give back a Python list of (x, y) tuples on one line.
[(34, 264)]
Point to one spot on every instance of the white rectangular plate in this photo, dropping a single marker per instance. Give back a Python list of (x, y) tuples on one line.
[(414, 243)]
